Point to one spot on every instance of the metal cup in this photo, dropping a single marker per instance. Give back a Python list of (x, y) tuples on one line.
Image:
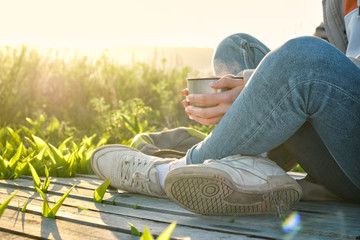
[(201, 86)]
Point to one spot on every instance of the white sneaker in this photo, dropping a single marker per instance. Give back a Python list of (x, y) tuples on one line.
[(128, 169), (233, 185)]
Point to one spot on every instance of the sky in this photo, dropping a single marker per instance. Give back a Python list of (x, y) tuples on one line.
[(110, 23)]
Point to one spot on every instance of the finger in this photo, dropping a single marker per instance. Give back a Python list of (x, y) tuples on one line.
[(206, 121), (207, 113), (215, 98), (204, 99), (185, 92), (185, 103), (227, 82)]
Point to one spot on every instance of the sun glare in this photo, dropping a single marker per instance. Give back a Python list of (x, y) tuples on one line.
[(107, 23)]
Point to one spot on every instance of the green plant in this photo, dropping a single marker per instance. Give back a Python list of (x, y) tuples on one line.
[(51, 212), (165, 235), (18, 148), (146, 235), (100, 191), (135, 206), (132, 118), (113, 201), (133, 229), (4, 205), (23, 209), (82, 208), (232, 219), (36, 178)]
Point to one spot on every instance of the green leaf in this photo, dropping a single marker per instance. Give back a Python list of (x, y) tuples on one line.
[(146, 235), (23, 209), (40, 144), (135, 206), (71, 161), (30, 121), (129, 124), (58, 157), (14, 160), (57, 205), (102, 141), (165, 235), (46, 211), (63, 144), (134, 231), (232, 219), (31, 142), (20, 168), (88, 140), (40, 155), (35, 176), (138, 125), (80, 151), (82, 208), (113, 201), (100, 191), (53, 125), (42, 118), (3, 165), (9, 151), (5, 204), (15, 137), (46, 182), (27, 131)]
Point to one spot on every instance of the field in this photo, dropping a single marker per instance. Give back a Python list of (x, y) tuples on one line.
[(56, 108)]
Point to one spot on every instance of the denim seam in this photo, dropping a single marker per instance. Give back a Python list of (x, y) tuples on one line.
[(257, 46), (244, 53), (245, 57)]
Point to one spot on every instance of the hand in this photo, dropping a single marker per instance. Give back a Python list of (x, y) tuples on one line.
[(222, 101)]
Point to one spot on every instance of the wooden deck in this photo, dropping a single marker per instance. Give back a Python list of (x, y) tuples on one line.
[(319, 220)]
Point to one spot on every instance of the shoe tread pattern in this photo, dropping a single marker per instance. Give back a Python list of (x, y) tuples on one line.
[(193, 194)]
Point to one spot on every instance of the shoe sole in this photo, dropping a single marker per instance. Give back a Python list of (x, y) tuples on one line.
[(93, 160), (212, 192)]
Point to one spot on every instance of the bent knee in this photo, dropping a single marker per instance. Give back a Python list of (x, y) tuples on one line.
[(306, 46)]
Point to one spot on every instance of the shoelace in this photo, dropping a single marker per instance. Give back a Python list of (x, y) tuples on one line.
[(134, 173)]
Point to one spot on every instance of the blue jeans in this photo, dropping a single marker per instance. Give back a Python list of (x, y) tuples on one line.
[(302, 102)]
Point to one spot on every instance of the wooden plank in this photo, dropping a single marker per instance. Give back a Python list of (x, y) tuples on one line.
[(10, 235), (330, 208), (259, 226), (92, 223), (82, 191), (224, 226), (28, 225), (111, 213)]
